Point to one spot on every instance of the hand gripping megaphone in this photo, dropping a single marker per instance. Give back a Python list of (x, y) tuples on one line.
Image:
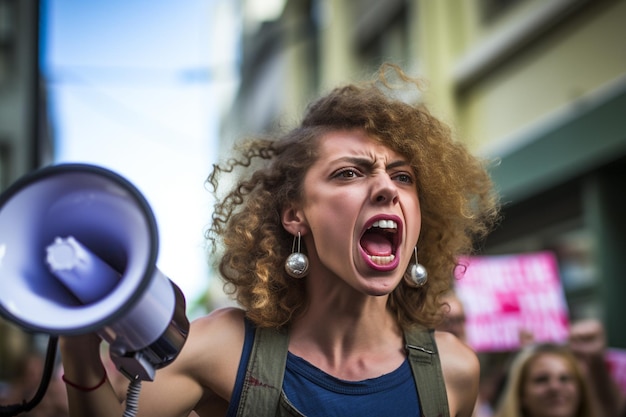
[(78, 247)]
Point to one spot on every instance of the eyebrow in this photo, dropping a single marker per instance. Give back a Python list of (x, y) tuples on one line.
[(396, 164), (369, 163)]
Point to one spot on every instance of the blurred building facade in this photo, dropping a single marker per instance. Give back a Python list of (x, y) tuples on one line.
[(25, 141), (539, 85)]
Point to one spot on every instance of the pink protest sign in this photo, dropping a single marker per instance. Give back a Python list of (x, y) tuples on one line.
[(507, 295)]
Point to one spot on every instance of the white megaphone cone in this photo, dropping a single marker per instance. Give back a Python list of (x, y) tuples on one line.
[(78, 246)]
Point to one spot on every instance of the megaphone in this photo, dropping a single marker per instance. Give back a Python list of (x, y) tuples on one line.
[(78, 250)]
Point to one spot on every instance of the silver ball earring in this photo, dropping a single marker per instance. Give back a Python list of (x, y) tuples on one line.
[(416, 276), (297, 264)]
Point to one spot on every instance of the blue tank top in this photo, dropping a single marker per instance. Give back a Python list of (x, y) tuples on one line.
[(316, 393)]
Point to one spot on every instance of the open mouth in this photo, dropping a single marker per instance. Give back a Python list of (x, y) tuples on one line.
[(380, 240)]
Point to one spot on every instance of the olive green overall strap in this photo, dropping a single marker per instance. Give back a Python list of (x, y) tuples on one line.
[(264, 376), (426, 367)]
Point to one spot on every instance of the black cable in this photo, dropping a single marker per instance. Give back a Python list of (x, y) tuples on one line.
[(15, 409)]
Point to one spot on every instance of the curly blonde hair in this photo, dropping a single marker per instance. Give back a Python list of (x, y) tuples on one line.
[(458, 202)]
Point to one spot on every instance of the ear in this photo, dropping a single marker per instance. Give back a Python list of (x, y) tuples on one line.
[(294, 221)]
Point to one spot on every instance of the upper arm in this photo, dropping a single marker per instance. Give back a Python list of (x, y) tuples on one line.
[(461, 371), (203, 375)]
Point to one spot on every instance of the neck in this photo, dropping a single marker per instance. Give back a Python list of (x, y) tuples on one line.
[(349, 339)]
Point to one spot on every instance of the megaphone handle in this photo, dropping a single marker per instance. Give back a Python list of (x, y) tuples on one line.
[(15, 409)]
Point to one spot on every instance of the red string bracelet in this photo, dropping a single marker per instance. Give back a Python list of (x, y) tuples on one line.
[(85, 389)]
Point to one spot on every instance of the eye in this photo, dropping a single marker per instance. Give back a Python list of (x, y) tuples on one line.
[(403, 177), (347, 173), (540, 379)]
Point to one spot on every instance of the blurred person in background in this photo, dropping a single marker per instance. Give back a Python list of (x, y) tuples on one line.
[(545, 380), (587, 340), (453, 316), (569, 380)]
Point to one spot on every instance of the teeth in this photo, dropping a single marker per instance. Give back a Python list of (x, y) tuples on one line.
[(383, 260), (385, 224)]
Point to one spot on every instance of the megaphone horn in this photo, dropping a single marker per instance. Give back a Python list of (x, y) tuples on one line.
[(78, 247)]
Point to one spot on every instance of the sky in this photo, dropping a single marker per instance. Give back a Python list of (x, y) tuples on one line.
[(137, 87)]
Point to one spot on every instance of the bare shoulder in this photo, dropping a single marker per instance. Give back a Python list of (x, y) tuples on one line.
[(456, 357), (212, 352), (461, 371), (202, 377), (224, 323), (215, 342)]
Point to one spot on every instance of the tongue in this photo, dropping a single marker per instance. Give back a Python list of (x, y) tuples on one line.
[(375, 244)]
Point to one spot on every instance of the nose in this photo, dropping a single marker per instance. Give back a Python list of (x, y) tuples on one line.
[(555, 384), (385, 191)]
